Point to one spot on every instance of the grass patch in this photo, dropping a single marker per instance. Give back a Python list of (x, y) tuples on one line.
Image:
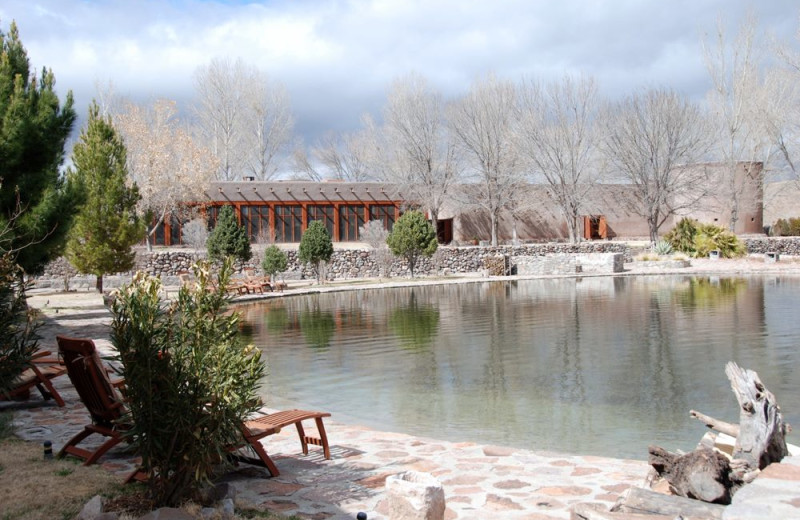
[(33, 488)]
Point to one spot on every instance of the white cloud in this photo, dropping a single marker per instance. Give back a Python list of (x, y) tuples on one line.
[(338, 57)]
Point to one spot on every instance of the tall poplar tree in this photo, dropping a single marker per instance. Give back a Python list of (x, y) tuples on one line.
[(106, 226), (33, 131)]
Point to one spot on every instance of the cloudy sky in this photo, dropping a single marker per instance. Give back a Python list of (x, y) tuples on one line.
[(338, 57)]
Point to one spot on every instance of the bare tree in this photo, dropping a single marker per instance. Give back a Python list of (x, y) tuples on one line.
[(221, 88), (426, 160), (483, 121), (737, 102), (558, 137), (167, 165), (267, 124), (350, 157), (652, 139)]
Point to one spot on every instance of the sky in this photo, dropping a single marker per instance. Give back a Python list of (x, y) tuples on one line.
[(338, 59)]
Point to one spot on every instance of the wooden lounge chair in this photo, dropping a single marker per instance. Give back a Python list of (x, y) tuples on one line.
[(256, 429), (98, 393), (39, 373)]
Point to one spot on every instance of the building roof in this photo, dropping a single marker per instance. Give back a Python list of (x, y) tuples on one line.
[(302, 191)]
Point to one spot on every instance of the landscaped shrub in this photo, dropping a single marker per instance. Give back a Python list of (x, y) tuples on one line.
[(274, 261), (412, 237), (189, 380), (681, 237), (697, 240), (710, 237), (662, 247), (316, 247), (195, 233), (786, 228), (17, 323), (228, 238)]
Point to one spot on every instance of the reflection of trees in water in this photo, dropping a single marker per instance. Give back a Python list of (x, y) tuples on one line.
[(276, 319), (414, 324), (318, 327), (709, 292)]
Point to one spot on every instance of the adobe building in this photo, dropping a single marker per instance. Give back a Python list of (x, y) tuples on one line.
[(280, 211)]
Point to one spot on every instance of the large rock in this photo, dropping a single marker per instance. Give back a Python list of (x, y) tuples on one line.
[(415, 496)]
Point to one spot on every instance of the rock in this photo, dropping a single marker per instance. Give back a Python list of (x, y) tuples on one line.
[(228, 509), (414, 495), (92, 509), (167, 513)]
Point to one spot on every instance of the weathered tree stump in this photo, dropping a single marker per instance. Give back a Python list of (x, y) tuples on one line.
[(762, 432), (708, 475)]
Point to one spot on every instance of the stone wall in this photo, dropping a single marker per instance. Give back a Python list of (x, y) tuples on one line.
[(566, 263), (345, 263), (782, 245)]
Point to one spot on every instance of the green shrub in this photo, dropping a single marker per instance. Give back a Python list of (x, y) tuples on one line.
[(710, 237), (274, 261), (786, 228), (228, 238), (681, 237), (662, 247), (697, 240), (190, 381), (412, 237), (17, 323), (316, 246)]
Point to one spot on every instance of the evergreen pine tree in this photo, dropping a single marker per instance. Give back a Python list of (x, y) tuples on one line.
[(33, 131), (412, 237), (316, 246), (228, 238), (106, 226)]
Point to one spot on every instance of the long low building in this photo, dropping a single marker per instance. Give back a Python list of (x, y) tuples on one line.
[(280, 211)]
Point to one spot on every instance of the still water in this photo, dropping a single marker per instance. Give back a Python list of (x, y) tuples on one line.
[(600, 366)]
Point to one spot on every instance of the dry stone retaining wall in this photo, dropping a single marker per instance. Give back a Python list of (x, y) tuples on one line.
[(782, 245)]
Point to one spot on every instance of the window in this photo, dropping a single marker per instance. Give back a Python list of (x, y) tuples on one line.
[(324, 214), (288, 223), (384, 213), (350, 219), (212, 213), (255, 220), (174, 230)]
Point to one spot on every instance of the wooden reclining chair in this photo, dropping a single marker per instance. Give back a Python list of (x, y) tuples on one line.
[(39, 373), (256, 429), (100, 396)]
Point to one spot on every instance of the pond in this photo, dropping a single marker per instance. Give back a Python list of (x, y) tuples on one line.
[(601, 366)]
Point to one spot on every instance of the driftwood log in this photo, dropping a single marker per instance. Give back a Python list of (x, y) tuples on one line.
[(702, 474), (762, 433), (645, 502), (708, 475)]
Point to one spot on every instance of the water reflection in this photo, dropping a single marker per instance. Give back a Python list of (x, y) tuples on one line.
[(414, 324), (594, 365)]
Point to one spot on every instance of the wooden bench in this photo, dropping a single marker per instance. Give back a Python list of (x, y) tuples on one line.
[(256, 429)]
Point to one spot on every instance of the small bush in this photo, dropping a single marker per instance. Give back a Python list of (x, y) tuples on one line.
[(195, 233), (710, 237), (274, 261), (681, 237), (786, 228), (189, 380), (697, 240)]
